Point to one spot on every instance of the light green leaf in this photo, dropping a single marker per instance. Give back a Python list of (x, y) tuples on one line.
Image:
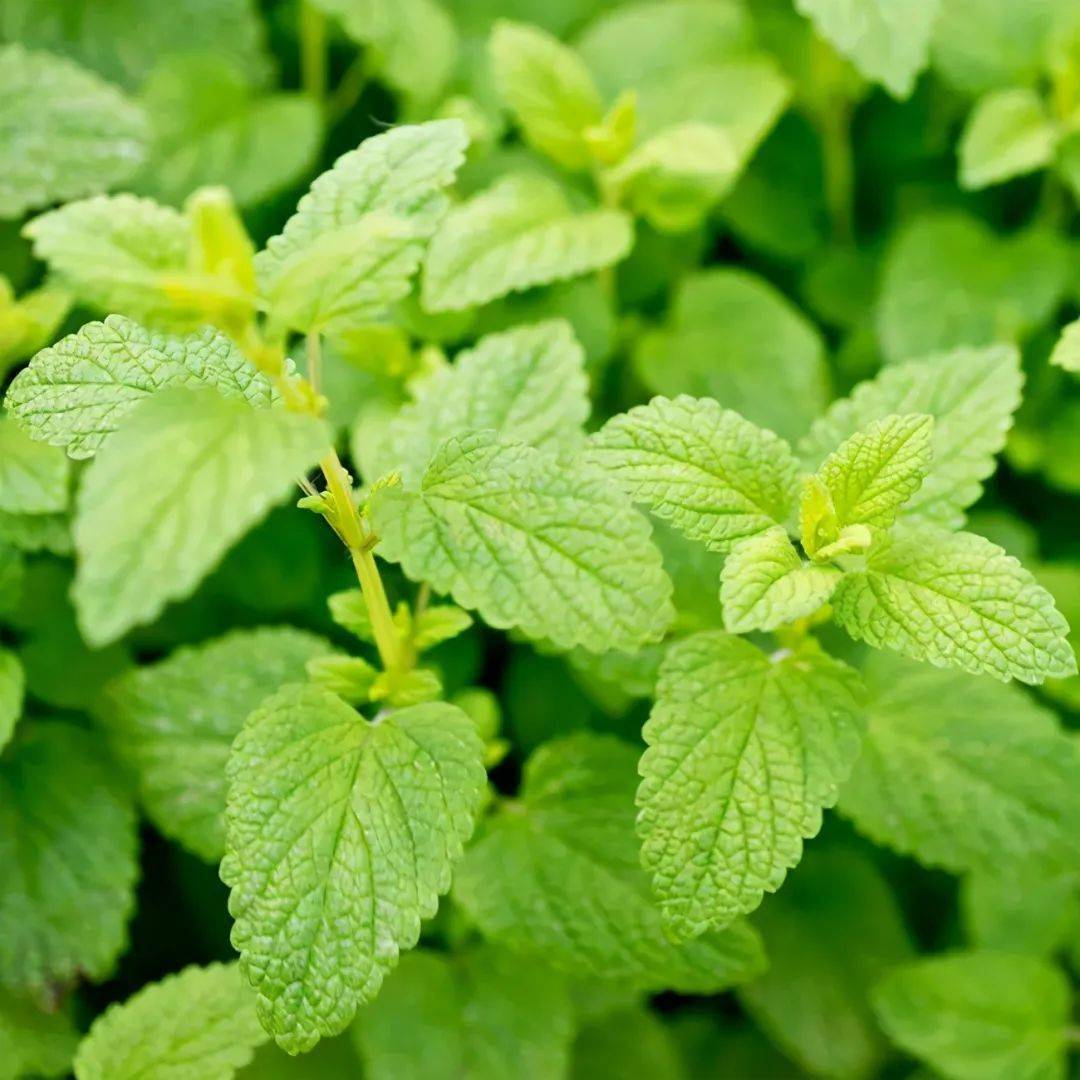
[(956, 600), (888, 44), (732, 336), (358, 235), (485, 1014), (68, 845), (519, 233), (33, 476), (78, 392), (181, 481), (64, 133), (556, 874), (341, 834), (12, 687), (548, 88), (1066, 352), (744, 751), (174, 721), (971, 395), (529, 541), (526, 384), (1020, 908), (30, 322), (979, 1015), (35, 532), (34, 1042), (765, 583), (876, 471), (199, 1024), (1008, 133), (962, 772), (715, 476), (834, 898)]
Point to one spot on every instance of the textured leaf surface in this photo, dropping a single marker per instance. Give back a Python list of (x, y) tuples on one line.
[(12, 687), (956, 600), (205, 470), (519, 233), (34, 1042), (486, 1014), (962, 772), (68, 846), (971, 395), (529, 541), (64, 133), (744, 751), (834, 898), (199, 1024), (715, 476), (78, 391), (979, 1016), (1008, 133), (174, 722), (33, 476), (341, 834), (527, 384), (765, 583), (557, 875)]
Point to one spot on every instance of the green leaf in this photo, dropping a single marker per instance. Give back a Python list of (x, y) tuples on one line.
[(12, 687), (79, 391), (34, 1042), (877, 470), (556, 874), (358, 235), (484, 1014), (181, 481), (1008, 133), (549, 90), (834, 898), (1066, 352), (765, 583), (715, 476), (67, 834), (174, 721), (956, 600), (29, 322), (341, 835), (1020, 908), (46, 157), (519, 233), (886, 45), (35, 532), (744, 751), (762, 339), (199, 1024), (113, 251), (631, 1044), (962, 772), (527, 384), (529, 541), (979, 1015), (33, 477), (971, 395)]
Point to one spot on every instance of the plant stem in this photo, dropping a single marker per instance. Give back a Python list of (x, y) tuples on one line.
[(839, 168), (314, 361), (312, 51), (349, 88)]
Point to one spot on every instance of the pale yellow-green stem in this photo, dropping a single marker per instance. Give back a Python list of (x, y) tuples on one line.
[(312, 32)]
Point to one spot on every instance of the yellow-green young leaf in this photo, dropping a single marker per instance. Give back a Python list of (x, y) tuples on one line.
[(872, 474), (834, 897), (556, 874), (1008, 133), (971, 395), (67, 831), (1066, 352), (34, 1042), (181, 481), (765, 583), (519, 233), (528, 384), (744, 751), (889, 45), (341, 835), (530, 541), (112, 251), (487, 1014), (438, 623), (174, 721), (12, 687), (199, 1024), (64, 133), (715, 476), (358, 235), (548, 88), (956, 600), (33, 475), (29, 322), (979, 1015), (963, 773)]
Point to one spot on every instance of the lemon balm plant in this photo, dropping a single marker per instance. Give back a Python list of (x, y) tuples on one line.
[(634, 597)]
